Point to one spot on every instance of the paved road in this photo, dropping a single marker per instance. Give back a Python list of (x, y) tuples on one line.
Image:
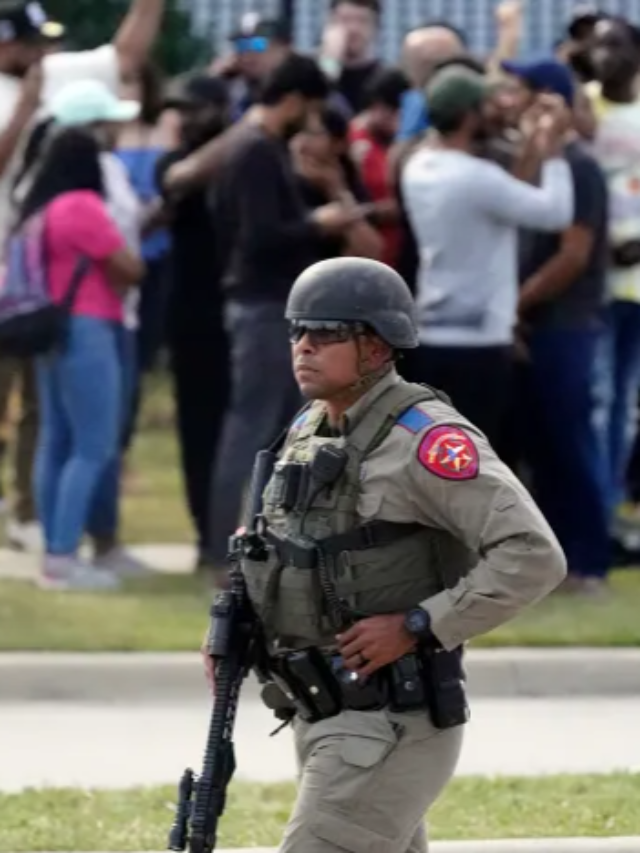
[(115, 746)]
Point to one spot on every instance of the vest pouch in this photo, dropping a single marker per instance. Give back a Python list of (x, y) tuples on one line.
[(298, 607), (389, 579), (261, 576)]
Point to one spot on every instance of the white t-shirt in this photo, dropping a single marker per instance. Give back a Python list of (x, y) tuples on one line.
[(126, 210), (59, 69), (10, 89), (617, 149)]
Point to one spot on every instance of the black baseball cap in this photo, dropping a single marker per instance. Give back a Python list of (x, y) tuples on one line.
[(583, 19), (22, 21), (197, 90), (254, 26)]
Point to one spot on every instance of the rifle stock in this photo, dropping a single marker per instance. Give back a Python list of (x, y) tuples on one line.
[(233, 641)]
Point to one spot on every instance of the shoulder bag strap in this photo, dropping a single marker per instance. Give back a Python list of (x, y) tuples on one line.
[(80, 270)]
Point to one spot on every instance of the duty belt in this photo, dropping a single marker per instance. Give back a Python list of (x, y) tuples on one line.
[(318, 686)]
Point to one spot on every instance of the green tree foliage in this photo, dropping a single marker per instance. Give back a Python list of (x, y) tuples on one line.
[(91, 23)]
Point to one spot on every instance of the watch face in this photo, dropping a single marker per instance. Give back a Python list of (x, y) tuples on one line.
[(418, 622)]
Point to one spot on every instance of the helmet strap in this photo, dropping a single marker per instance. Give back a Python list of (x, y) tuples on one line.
[(369, 379)]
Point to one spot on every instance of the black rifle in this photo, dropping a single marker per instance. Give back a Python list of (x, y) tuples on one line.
[(235, 647)]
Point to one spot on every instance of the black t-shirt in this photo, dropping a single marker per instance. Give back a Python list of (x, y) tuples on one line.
[(195, 278), (265, 238), (352, 83), (581, 303)]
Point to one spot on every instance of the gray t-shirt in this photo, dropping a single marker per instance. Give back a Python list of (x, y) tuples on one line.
[(466, 213)]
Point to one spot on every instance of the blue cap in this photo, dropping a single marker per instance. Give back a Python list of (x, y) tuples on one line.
[(545, 75)]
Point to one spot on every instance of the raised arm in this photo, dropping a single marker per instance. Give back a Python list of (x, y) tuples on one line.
[(137, 35)]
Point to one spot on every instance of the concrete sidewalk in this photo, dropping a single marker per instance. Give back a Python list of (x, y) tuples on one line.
[(161, 558), (542, 845), (144, 677), (114, 745)]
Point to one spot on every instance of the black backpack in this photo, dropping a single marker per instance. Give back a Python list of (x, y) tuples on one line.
[(31, 324)]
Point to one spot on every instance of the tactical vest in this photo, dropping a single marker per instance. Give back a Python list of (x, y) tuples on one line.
[(391, 576)]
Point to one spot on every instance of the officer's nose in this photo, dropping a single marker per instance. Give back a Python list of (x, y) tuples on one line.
[(304, 345)]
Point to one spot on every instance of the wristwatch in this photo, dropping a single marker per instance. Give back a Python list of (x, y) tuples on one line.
[(417, 622)]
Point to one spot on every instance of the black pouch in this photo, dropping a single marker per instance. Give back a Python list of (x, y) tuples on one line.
[(370, 694), (292, 474), (408, 691), (446, 694), (311, 683)]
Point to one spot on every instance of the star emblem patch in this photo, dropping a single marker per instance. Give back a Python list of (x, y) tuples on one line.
[(449, 453)]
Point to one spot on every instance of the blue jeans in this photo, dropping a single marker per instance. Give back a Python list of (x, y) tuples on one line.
[(568, 465), (80, 415), (104, 519), (618, 385)]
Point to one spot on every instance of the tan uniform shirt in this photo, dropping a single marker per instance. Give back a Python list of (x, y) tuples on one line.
[(436, 469)]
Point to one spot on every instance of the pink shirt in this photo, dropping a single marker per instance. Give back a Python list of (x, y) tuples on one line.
[(77, 223)]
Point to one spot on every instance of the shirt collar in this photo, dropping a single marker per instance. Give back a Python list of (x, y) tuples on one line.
[(355, 413)]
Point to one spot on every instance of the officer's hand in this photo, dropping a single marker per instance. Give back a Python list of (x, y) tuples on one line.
[(374, 643), (209, 666)]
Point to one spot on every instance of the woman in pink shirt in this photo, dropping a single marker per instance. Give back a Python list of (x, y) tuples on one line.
[(79, 386)]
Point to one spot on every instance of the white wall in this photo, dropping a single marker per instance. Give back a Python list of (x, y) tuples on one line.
[(545, 19)]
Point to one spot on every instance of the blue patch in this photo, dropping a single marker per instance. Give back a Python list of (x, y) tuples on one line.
[(300, 421), (414, 420)]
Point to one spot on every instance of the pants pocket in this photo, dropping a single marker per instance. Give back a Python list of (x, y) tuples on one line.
[(345, 768), (343, 834)]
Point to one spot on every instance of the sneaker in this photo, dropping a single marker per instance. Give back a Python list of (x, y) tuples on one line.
[(70, 573), (121, 562), (25, 537)]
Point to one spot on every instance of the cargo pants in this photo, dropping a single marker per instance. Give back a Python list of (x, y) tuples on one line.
[(366, 782)]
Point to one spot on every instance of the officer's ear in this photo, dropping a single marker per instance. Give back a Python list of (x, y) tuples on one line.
[(375, 351)]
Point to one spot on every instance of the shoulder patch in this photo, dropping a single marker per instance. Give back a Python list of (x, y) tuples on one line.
[(300, 420), (414, 420), (449, 453)]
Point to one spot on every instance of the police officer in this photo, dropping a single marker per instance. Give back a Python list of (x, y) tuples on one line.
[(395, 535)]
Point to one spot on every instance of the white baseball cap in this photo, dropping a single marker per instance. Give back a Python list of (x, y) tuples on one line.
[(90, 101)]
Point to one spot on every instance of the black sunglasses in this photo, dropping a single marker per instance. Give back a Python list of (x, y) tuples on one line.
[(324, 332)]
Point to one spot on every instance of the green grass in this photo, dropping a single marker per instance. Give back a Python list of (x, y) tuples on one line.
[(170, 613), (138, 819), (563, 620), (154, 505), (163, 613)]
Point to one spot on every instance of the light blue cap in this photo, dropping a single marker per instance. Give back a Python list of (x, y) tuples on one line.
[(90, 101)]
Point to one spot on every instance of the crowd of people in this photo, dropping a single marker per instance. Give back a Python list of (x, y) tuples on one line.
[(505, 191)]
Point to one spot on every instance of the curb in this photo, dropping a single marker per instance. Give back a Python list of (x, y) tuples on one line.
[(178, 678), (539, 845)]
